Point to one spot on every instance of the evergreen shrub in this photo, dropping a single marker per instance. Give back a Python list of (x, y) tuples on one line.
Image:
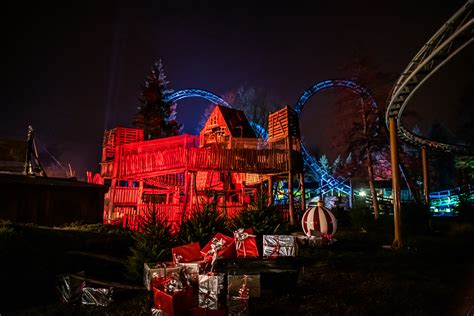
[(202, 225), (152, 243), (263, 218)]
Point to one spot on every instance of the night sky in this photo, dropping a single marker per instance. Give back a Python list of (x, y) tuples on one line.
[(73, 71)]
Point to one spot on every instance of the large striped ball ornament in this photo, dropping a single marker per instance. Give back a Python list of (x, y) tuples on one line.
[(319, 219)]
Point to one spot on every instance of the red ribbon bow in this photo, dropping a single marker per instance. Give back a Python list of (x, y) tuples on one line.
[(216, 246), (276, 249)]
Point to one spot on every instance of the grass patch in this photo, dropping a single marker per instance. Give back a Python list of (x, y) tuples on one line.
[(353, 276)]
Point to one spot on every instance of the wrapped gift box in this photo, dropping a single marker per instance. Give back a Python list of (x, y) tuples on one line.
[(279, 246), (192, 270), (236, 282), (174, 303), (159, 270), (238, 306), (187, 253), (96, 296), (69, 288), (157, 312), (211, 290), (227, 250), (245, 243)]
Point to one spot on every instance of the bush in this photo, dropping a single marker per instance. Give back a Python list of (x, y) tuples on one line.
[(465, 210), (264, 219), (361, 218), (343, 216), (6, 235), (153, 243), (416, 218), (96, 228), (202, 225), (461, 229)]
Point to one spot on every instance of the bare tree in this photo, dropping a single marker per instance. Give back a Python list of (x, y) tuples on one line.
[(364, 134)]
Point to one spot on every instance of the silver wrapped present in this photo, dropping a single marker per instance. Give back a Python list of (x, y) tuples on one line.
[(279, 246), (211, 290), (191, 270), (161, 269), (157, 312), (96, 296), (237, 284), (69, 288)]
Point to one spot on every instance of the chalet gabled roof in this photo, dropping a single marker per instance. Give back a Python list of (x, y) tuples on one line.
[(237, 122)]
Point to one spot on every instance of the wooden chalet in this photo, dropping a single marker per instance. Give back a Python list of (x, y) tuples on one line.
[(228, 128), (226, 163)]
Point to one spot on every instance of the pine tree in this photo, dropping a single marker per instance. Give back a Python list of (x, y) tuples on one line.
[(324, 162), (153, 242), (156, 116)]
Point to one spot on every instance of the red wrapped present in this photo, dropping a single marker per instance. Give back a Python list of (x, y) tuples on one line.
[(199, 311), (186, 253), (176, 302), (224, 245), (245, 243)]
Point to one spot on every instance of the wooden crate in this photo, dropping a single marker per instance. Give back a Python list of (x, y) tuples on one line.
[(283, 123), (117, 137)]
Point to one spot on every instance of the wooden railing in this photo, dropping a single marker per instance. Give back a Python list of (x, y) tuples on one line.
[(124, 195), (231, 211), (142, 164)]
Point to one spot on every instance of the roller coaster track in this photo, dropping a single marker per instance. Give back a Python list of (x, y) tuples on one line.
[(328, 181), (199, 93), (455, 35)]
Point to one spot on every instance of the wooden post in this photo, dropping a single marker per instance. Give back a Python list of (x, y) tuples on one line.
[(290, 181), (270, 190), (140, 193), (398, 241), (193, 190), (113, 183), (303, 197), (242, 193), (186, 192), (424, 163)]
